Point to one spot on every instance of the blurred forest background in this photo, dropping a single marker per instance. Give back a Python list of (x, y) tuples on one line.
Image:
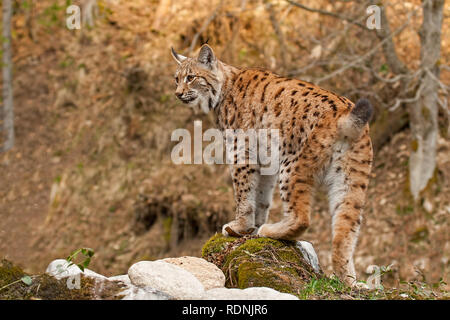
[(94, 110)]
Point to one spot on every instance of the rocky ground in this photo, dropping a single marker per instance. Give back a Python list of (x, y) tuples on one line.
[(249, 268)]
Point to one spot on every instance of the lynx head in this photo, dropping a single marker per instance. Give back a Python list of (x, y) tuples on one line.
[(199, 80)]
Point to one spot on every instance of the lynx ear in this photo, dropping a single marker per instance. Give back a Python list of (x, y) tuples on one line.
[(206, 56), (178, 57)]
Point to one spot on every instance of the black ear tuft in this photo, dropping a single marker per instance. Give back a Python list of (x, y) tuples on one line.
[(178, 57), (206, 55)]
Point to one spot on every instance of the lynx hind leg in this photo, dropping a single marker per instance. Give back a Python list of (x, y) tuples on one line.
[(347, 179), (264, 196), (245, 180), (295, 191)]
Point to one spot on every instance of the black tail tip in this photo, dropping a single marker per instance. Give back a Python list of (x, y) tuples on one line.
[(363, 110)]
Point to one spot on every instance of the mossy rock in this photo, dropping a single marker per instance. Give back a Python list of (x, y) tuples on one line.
[(263, 262), (260, 262), (46, 287)]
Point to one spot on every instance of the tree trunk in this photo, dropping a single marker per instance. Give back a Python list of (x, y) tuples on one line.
[(89, 11), (8, 113), (424, 112)]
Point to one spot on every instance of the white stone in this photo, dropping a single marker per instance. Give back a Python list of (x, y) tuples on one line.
[(132, 292), (255, 293), (206, 272), (136, 293), (168, 278), (60, 269), (309, 254), (123, 278)]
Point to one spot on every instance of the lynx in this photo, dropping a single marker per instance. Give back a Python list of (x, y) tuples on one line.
[(324, 138)]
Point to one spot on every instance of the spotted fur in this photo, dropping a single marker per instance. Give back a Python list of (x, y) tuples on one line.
[(323, 138)]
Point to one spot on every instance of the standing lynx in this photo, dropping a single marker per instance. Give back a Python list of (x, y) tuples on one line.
[(323, 138)]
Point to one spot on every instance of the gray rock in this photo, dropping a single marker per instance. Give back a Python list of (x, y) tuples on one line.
[(309, 254), (255, 293), (167, 278), (132, 292)]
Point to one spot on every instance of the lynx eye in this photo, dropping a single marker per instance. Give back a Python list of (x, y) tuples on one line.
[(189, 78)]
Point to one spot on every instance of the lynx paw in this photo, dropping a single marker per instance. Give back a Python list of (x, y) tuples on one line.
[(262, 232), (233, 229), (272, 230)]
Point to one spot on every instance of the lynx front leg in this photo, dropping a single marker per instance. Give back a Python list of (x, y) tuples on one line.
[(245, 181)]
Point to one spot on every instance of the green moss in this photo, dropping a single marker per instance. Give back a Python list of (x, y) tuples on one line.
[(216, 245), (258, 274), (258, 244), (9, 273), (260, 262), (10, 284)]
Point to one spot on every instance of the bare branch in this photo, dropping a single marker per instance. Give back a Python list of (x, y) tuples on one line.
[(328, 13), (372, 51), (384, 34), (394, 79), (399, 101), (439, 82)]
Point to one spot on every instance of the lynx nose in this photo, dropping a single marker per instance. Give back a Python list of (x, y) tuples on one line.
[(179, 94)]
